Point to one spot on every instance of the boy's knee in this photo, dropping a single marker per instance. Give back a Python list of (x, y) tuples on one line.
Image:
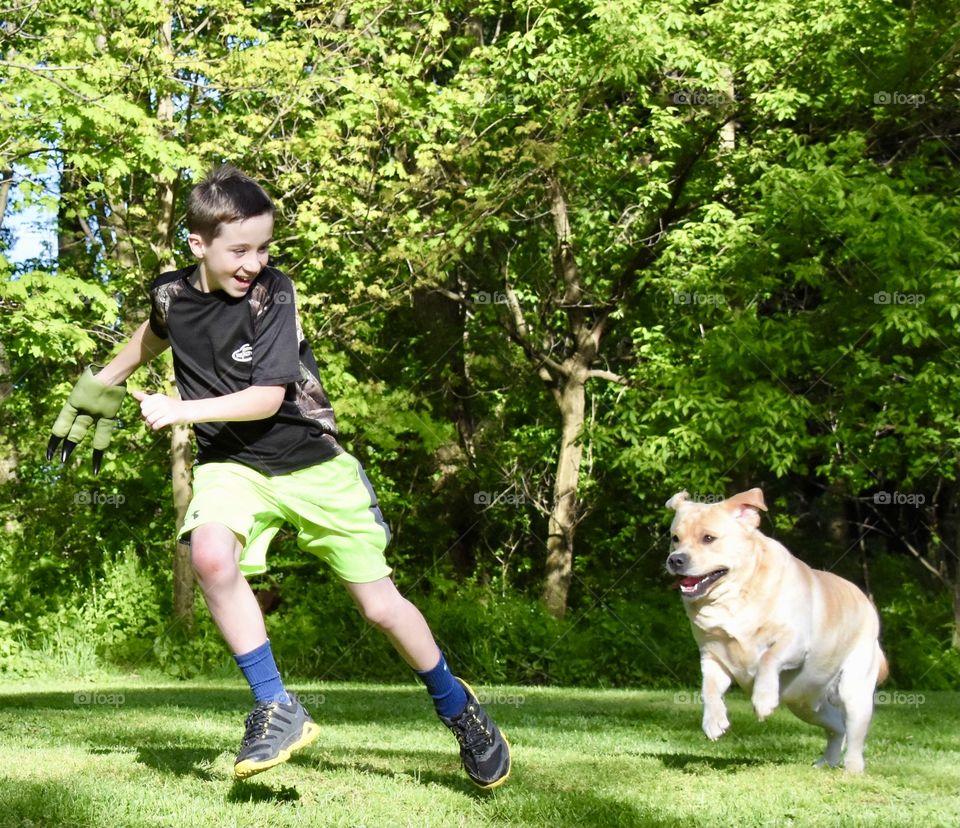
[(382, 613), (213, 553)]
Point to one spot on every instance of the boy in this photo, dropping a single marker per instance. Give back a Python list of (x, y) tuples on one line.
[(267, 453)]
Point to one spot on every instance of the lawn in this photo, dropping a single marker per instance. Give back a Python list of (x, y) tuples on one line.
[(137, 751)]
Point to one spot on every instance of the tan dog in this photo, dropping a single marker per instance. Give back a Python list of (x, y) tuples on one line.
[(781, 630)]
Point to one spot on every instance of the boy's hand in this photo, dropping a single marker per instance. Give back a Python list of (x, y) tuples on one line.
[(89, 401), (159, 410)]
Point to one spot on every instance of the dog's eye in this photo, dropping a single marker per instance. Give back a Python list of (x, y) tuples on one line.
[(708, 538), (674, 539)]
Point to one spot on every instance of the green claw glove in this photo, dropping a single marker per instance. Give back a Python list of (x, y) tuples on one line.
[(89, 401)]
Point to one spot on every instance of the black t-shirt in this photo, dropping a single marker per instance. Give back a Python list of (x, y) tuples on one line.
[(223, 344)]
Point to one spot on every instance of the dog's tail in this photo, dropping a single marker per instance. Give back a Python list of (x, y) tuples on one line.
[(884, 666)]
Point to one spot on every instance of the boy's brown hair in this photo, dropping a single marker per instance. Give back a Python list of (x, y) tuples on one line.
[(224, 196)]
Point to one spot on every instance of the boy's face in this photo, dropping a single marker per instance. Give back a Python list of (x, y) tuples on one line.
[(232, 260)]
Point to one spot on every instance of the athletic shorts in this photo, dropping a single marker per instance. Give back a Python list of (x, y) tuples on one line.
[(331, 505)]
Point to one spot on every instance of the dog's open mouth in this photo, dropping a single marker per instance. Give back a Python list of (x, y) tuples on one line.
[(696, 586)]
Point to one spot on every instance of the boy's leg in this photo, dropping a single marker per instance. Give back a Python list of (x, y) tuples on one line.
[(483, 750), (278, 724)]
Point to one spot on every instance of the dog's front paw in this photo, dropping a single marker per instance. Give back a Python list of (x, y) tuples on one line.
[(715, 723), (764, 703)]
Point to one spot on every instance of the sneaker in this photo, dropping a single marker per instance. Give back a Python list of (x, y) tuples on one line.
[(484, 751), (274, 730)]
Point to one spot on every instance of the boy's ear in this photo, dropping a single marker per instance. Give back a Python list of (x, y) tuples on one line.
[(197, 245)]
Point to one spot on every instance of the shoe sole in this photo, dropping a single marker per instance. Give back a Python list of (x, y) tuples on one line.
[(248, 768), (497, 782)]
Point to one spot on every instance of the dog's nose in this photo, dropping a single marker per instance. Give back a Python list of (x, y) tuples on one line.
[(677, 562)]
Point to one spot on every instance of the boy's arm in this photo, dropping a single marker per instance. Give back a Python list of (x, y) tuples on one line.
[(143, 346), (254, 403)]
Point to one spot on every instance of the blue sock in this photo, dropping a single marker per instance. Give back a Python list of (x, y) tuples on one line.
[(261, 672), (447, 693)]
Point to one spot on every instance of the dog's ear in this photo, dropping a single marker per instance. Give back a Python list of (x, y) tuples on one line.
[(746, 507), (675, 501)]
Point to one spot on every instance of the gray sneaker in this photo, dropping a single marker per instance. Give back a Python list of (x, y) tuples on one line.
[(484, 751), (273, 732)]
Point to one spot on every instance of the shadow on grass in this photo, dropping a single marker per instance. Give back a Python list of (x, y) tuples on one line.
[(246, 792)]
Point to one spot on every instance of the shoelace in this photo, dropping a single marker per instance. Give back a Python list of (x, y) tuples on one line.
[(471, 733), (256, 725)]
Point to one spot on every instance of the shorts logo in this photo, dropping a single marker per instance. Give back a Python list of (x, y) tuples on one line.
[(244, 353)]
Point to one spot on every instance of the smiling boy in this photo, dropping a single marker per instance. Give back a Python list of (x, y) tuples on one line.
[(268, 454)]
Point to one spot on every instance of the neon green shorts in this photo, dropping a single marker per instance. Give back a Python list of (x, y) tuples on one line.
[(331, 505)]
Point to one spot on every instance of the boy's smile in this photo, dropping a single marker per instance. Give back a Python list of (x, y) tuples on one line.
[(231, 261)]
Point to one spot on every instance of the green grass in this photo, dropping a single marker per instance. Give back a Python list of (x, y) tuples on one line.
[(142, 752)]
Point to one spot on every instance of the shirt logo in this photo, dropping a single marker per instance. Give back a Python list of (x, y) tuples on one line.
[(244, 353)]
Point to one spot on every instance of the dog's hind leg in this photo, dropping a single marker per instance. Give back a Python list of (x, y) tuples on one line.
[(856, 688), (830, 719)]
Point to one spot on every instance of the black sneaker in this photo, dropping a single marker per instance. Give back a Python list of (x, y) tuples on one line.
[(483, 749), (274, 730)]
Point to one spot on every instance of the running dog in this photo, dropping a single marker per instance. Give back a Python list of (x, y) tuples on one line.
[(782, 630)]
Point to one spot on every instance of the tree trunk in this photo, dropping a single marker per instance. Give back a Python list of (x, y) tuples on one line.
[(181, 452), (181, 462), (6, 181), (563, 517)]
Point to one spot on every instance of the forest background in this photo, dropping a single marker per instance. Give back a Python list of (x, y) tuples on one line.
[(557, 261)]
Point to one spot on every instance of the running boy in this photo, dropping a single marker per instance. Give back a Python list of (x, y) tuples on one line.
[(267, 454)]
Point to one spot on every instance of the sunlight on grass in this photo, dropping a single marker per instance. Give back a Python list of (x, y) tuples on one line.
[(131, 751)]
